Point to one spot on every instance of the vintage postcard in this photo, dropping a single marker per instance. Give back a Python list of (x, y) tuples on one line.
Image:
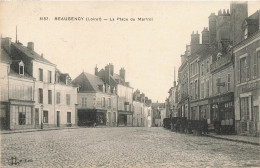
[(130, 84)]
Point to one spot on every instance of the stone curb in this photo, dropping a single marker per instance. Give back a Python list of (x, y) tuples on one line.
[(234, 140), (36, 130)]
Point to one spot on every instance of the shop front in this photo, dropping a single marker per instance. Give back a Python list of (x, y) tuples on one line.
[(125, 118), (21, 114), (204, 110), (247, 109), (222, 112), (87, 117)]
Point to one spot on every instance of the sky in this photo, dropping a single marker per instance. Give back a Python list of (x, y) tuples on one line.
[(148, 50)]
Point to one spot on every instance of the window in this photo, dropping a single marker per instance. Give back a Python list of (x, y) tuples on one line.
[(22, 116), (21, 68), (58, 97), (191, 72), (84, 102), (103, 102), (49, 96), (109, 102), (218, 87), (202, 90), (68, 99), (228, 82), (207, 91), (202, 66), (40, 95), (45, 116), (40, 74), (49, 77), (207, 65), (254, 66), (196, 89), (191, 86), (68, 117), (243, 69), (258, 62), (244, 108), (245, 33)]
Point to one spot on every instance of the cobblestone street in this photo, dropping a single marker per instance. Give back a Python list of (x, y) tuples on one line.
[(123, 147)]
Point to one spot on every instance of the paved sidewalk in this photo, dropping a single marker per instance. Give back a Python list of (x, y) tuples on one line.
[(237, 138), (34, 130)]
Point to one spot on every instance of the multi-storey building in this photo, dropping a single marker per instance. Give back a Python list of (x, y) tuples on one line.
[(138, 105), (158, 114), (96, 101), (122, 89), (205, 80), (148, 115), (32, 87), (172, 100), (247, 77)]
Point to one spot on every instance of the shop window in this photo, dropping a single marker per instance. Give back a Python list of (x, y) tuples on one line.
[(22, 118), (244, 108), (45, 116)]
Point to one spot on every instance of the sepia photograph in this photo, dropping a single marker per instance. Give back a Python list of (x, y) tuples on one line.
[(118, 84)]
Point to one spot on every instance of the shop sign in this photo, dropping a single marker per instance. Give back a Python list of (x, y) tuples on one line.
[(248, 87), (222, 98)]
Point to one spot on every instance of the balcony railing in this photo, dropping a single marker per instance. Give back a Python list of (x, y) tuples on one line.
[(219, 63)]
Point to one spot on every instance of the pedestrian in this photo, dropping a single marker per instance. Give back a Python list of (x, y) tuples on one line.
[(216, 124), (205, 125), (94, 124)]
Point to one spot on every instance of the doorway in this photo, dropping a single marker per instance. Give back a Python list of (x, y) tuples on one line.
[(58, 118)]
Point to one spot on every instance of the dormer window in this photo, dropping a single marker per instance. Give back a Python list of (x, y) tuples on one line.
[(246, 33), (21, 68)]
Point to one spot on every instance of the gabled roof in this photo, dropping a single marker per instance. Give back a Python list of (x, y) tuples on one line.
[(30, 53), (4, 57), (88, 82)]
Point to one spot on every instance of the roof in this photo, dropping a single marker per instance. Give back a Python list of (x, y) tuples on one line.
[(4, 57), (30, 53), (206, 52), (88, 82), (15, 74)]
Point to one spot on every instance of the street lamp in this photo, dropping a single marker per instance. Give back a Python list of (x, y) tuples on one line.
[(41, 117)]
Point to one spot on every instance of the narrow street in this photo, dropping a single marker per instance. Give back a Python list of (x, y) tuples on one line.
[(123, 147)]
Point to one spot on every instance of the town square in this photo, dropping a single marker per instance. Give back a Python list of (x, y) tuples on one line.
[(121, 84)]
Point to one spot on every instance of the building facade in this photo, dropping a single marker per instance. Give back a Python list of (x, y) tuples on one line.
[(32, 87), (247, 78), (97, 103)]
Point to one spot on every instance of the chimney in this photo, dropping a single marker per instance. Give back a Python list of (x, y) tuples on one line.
[(212, 29), (6, 44), (122, 73), (30, 45), (195, 38), (96, 70), (205, 36), (111, 67)]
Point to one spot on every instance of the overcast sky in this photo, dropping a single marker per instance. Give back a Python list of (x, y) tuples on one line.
[(148, 50)]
